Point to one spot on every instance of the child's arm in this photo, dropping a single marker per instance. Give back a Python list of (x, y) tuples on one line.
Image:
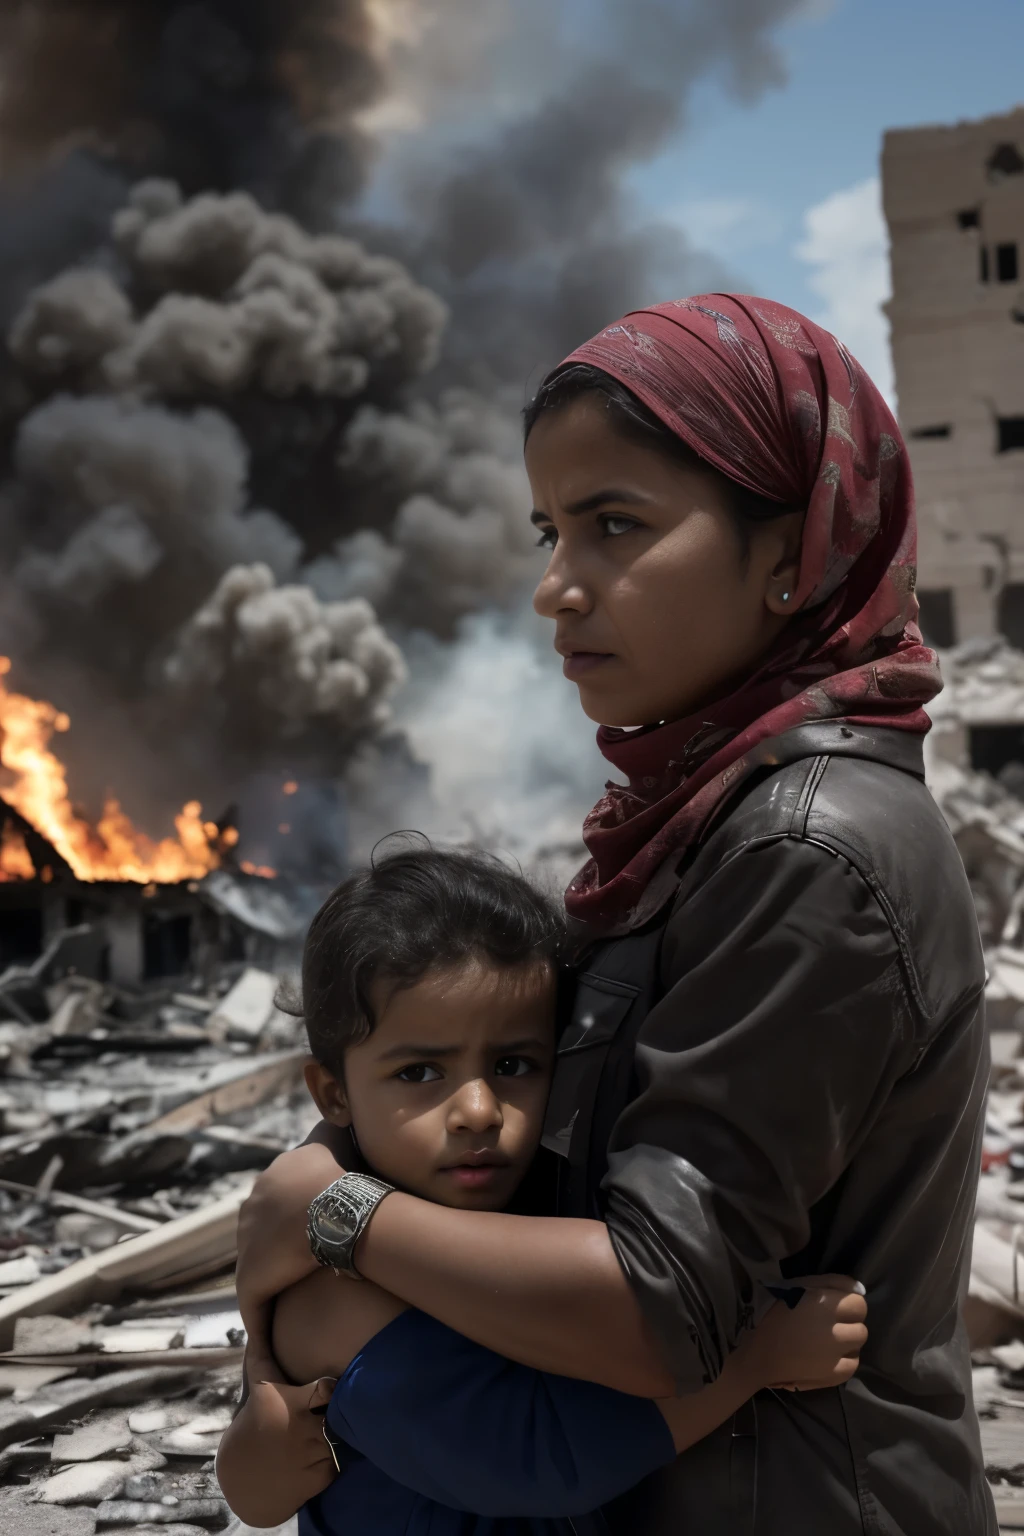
[(458, 1424), (273, 1457), (811, 1346)]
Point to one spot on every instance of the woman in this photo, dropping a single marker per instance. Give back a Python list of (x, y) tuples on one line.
[(776, 1061)]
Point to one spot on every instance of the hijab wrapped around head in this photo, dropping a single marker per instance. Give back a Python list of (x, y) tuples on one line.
[(779, 405)]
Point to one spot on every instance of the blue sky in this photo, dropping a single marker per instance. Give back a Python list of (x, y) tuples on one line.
[(781, 190)]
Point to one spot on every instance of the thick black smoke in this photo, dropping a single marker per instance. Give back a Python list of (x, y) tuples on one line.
[(528, 231), (257, 95), (252, 431)]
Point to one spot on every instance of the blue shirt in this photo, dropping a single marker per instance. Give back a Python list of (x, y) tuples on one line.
[(441, 1437)]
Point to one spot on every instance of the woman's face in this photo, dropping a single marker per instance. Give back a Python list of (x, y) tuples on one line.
[(657, 609)]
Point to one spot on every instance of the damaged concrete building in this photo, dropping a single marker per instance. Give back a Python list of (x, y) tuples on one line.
[(954, 201)]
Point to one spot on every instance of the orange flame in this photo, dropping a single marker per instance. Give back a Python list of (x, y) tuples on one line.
[(15, 859), (36, 786), (262, 871)]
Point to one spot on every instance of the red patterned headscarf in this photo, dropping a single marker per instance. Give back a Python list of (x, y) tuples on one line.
[(779, 405)]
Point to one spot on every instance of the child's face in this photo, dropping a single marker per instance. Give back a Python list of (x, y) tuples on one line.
[(447, 1094)]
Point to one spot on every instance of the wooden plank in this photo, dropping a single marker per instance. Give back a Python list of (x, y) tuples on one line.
[(273, 1075), (174, 1253), (199, 1358), (65, 1201)]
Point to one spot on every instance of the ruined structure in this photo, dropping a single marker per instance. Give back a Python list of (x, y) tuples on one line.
[(954, 200)]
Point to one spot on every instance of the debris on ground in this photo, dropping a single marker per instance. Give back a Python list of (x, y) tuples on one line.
[(133, 1119)]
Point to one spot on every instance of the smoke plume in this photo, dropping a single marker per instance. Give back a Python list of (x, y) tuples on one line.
[(274, 279)]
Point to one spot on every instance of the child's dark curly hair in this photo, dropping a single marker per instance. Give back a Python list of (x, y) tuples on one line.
[(414, 910)]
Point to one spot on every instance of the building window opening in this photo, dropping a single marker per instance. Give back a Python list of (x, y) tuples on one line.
[(983, 272), (943, 430), (1006, 262), (938, 624), (999, 750), (166, 945), (1005, 160), (1010, 613), (21, 935), (1011, 433), (968, 218)]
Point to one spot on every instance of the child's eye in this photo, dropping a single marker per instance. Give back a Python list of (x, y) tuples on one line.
[(548, 538), (419, 1073), (513, 1066)]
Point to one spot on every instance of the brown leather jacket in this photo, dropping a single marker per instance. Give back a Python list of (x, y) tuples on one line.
[(785, 1073)]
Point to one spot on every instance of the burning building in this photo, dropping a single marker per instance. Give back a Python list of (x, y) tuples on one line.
[(131, 909)]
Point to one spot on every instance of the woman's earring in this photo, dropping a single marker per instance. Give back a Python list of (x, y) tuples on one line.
[(785, 597)]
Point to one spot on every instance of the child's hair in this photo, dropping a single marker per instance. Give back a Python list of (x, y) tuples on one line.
[(413, 910)]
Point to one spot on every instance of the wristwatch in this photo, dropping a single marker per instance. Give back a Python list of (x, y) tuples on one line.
[(338, 1218)]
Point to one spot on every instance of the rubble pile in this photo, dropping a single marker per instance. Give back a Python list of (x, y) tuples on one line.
[(978, 720), (132, 1123)]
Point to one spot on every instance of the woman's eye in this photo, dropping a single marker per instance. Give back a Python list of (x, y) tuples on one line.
[(513, 1066), (548, 539), (420, 1073), (614, 523)]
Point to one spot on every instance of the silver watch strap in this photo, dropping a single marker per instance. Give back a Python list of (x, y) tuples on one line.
[(346, 1205)]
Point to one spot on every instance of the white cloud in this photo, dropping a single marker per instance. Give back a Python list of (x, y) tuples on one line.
[(727, 225), (846, 244)]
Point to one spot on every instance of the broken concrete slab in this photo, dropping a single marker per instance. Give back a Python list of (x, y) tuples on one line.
[(99, 1438), (144, 1458), (24, 1271), (21, 1516), (150, 1529), (86, 1482), (48, 1334), (22, 1381), (165, 1530), (247, 1009), (127, 1339), (145, 1421), (71, 1399), (125, 1512)]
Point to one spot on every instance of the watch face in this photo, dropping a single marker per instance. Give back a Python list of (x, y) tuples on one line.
[(335, 1223)]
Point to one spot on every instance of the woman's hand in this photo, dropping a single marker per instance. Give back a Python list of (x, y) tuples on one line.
[(274, 1457), (813, 1345), (273, 1251)]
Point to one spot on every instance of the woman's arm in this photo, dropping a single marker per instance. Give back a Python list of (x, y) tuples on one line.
[(549, 1293), (760, 1070), (462, 1426)]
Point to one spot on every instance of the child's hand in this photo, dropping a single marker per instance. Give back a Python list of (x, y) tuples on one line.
[(274, 1457), (813, 1345)]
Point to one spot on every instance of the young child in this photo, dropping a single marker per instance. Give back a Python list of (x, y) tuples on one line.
[(429, 995)]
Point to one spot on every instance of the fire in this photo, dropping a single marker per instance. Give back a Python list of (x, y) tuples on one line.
[(262, 871), (15, 859), (36, 786)]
